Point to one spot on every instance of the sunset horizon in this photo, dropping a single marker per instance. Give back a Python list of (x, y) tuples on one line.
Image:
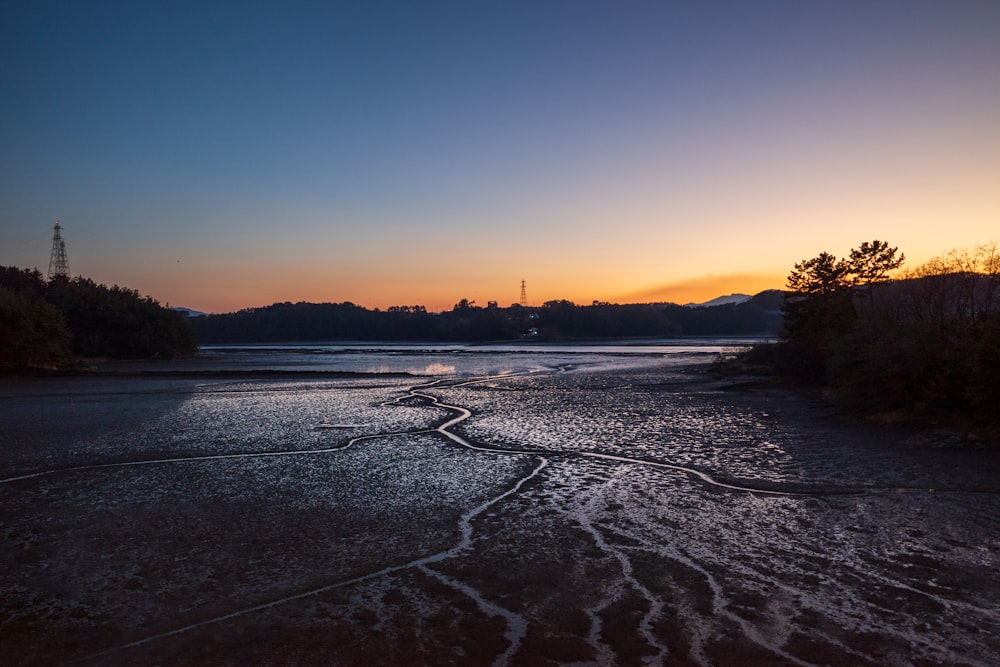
[(228, 297), (223, 157)]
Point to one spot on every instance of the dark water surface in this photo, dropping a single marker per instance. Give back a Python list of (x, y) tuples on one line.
[(506, 505)]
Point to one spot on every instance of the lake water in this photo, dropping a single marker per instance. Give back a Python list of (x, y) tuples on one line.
[(584, 505), (457, 358)]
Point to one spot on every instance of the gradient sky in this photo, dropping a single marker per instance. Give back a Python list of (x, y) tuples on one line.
[(220, 155)]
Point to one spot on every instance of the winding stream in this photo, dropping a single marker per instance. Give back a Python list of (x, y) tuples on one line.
[(576, 553)]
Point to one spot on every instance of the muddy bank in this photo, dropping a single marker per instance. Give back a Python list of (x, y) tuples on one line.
[(641, 515)]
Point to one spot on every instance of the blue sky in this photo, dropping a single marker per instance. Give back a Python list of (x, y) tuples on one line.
[(226, 155)]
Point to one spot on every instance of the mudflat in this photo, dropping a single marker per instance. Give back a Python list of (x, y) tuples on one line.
[(640, 514)]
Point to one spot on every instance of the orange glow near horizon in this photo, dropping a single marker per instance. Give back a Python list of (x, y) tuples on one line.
[(706, 288), (219, 287), (668, 165)]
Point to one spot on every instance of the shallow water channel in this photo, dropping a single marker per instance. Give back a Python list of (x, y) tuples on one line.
[(507, 506)]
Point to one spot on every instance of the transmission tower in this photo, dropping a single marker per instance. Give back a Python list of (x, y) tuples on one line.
[(58, 262), (524, 295)]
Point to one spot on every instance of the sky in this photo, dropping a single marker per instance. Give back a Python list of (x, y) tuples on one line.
[(227, 155)]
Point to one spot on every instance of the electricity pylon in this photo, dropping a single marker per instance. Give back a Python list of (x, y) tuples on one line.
[(58, 262)]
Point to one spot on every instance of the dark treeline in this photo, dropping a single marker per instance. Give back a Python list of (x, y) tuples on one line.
[(51, 323), (556, 320), (924, 346)]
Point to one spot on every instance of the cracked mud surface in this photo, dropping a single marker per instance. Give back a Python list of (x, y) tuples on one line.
[(625, 513)]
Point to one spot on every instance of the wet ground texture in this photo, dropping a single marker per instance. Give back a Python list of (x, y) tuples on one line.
[(648, 514)]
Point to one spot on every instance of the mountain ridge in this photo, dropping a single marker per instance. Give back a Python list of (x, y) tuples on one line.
[(733, 298)]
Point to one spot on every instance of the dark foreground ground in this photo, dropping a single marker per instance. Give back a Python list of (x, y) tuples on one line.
[(641, 516)]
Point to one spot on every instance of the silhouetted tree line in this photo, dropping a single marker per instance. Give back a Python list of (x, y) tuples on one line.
[(556, 320), (925, 344), (48, 323)]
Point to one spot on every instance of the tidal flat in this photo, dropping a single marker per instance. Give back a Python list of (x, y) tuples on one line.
[(597, 506)]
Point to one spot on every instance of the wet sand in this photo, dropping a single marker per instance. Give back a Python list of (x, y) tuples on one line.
[(645, 515)]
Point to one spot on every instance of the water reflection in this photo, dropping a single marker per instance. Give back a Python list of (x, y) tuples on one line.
[(453, 359), (435, 368)]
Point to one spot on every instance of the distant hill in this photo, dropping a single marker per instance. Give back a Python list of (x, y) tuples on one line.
[(721, 301), (555, 320)]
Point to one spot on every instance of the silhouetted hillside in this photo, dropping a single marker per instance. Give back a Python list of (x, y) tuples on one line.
[(556, 320), (46, 323)]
